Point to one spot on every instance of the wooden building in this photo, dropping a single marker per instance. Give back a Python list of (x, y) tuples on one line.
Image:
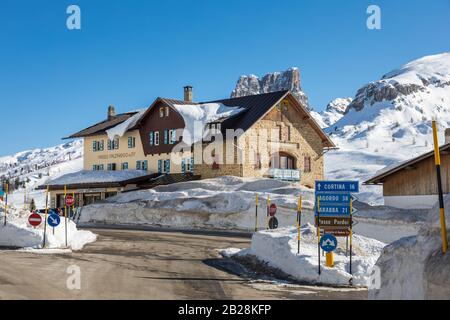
[(412, 184)]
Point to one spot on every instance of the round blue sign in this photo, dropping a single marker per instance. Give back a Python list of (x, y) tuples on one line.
[(328, 242), (53, 220)]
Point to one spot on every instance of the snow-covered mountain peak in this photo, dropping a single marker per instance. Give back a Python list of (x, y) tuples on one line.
[(433, 69)]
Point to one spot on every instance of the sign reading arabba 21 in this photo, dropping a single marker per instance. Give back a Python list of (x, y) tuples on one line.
[(337, 186)]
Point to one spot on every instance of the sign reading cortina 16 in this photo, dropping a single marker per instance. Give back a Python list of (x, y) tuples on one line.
[(333, 207)]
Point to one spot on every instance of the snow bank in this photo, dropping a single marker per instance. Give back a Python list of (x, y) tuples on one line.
[(414, 267), (120, 129), (228, 203), (19, 234), (196, 116), (279, 250), (220, 203)]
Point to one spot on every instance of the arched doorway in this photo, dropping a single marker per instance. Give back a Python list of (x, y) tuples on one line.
[(283, 160), (283, 166)]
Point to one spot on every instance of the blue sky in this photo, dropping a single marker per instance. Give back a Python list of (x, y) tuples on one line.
[(54, 82)]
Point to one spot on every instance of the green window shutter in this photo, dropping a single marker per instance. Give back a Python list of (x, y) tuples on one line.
[(138, 165), (166, 136), (183, 166), (94, 146), (152, 138), (109, 145), (159, 166), (145, 165)]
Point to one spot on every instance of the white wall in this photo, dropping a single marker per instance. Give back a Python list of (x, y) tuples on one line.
[(411, 202)]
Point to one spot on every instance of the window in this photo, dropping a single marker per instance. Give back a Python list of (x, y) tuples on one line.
[(258, 164), (157, 138), (282, 161), (110, 144), (97, 167), (125, 166), (183, 166), (167, 111), (167, 166), (161, 112), (187, 165), (288, 133), (151, 136), (159, 166), (94, 146), (138, 165), (145, 165), (112, 167), (97, 145), (307, 166), (280, 133), (215, 165), (116, 143), (131, 142), (173, 136), (166, 136)]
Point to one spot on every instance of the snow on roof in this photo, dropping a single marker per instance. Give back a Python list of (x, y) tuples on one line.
[(196, 116), (120, 129), (86, 176)]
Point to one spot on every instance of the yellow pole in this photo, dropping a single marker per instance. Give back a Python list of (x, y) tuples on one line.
[(45, 215), (330, 260), (318, 233), (256, 213), (437, 159), (299, 219), (65, 211), (6, 200)]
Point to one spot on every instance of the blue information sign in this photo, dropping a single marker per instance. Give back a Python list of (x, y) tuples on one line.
[(341, 198), (337, 186), (333, 210), (53, 220), (328, 243)]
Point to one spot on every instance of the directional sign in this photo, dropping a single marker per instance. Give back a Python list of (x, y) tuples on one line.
[(272, 209), (34, 219), (273, 223), (325, 197), (69, 201), (334, 222), (336, 232), (53, 220), (331, 210), (328, 242), (337, 186)]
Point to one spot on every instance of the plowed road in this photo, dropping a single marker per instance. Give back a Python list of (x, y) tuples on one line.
[(132, 264)]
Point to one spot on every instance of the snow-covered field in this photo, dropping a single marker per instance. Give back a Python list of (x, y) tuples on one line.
[(19, 234), (278, 249)]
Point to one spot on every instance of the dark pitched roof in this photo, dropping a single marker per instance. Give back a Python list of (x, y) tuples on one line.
[(389, 170), (102, 126), (256, 107)]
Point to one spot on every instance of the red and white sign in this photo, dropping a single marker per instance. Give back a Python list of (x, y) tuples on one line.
[(35, 219), (70, 201), (272, 209)]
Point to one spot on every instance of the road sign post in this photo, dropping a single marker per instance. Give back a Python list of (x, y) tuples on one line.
[(256, 213), (6, 201), (318, 234), (437, 158), (45, 216), (34, 220), (299, 222)]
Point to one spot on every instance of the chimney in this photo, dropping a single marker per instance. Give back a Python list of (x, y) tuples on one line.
[(447, 135), (188, 94), (111, 112)]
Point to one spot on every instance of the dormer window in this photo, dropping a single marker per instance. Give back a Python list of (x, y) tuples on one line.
[(167, 111), (161, 112)]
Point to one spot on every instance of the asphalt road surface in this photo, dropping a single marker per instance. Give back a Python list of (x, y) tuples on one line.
[(134, 264)]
